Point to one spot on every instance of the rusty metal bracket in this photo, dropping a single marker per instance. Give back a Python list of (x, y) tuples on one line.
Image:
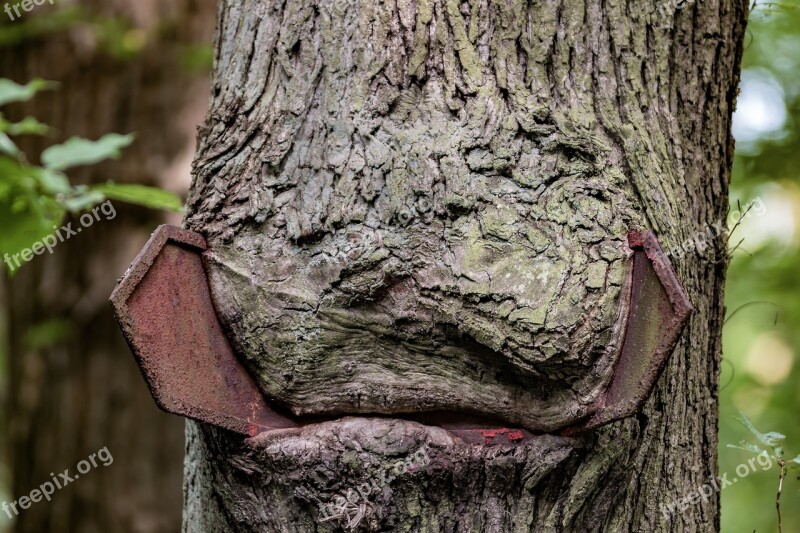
[(163, 305), (658, 311)]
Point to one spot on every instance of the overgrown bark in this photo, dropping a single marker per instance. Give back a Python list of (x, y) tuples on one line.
[(74, 394), (422, 206)]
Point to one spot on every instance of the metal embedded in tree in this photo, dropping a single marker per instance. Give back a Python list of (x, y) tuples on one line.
[(165, 309), (657, 312)]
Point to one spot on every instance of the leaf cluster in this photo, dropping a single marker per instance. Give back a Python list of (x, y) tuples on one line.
[(35, 198)]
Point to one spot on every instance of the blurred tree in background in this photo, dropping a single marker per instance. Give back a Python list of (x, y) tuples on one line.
[(72, 386), (760, 373)]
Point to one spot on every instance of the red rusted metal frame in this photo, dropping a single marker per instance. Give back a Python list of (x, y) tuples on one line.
[(164, 307), (658, 311)]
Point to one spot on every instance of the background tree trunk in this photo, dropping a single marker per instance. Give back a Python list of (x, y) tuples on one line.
[(635, 97), (75, 393)]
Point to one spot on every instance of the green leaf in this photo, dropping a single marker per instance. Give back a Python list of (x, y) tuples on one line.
[(117, 36), (26, 218), (198, 57), (770, 439), (82, 200), (77, 151), (47, 333), (141, 195), (748, 447), (44, 23), (26, 214), (28, 126), (51, 181), (8, 147), (11, 172), (13, 92), (773, 437)]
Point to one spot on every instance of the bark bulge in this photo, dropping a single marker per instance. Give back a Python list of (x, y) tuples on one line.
[(423, 205)]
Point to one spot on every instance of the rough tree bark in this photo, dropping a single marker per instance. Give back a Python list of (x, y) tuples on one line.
[(69, 398), (421, 207)]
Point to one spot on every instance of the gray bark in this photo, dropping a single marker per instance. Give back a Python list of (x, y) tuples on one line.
[(422, 206)]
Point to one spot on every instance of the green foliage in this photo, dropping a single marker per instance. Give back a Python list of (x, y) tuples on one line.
[(47, 333), (198, 57), (761, 369), (771, 8), (76, 151), (769, 440), (28, 205), (45, 23), (26, 126), (11, 92), (34, 199), (119, 38), (116, 36), (141, 195)]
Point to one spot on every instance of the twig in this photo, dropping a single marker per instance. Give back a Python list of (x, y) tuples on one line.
[(739, 220), (733, 374), (754, 302), (782, 464)]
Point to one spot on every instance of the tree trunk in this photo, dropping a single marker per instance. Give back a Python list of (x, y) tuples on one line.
[(74, 394), (421, 208)]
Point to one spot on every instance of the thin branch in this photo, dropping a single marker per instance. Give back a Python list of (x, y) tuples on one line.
[(782, 464), (739, 221), (733, 374), (754, 302)]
